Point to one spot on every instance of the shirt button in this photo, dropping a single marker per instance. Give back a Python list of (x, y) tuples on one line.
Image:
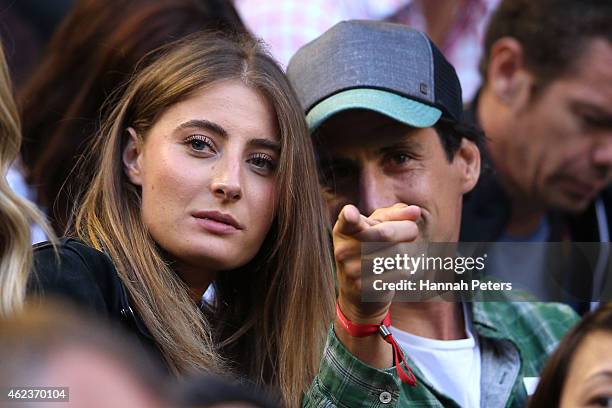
[(385, 397)]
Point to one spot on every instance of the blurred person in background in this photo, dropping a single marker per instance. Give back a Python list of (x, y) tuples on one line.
[(26, 27), (579, 372), (93, 52), (49, 345), (205, 176), (16, 213), (546, 109), (455, 26)]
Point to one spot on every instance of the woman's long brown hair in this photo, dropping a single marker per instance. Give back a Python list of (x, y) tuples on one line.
[(93, 52), (271, 316)]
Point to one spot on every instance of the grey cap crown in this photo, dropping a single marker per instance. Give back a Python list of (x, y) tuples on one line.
[(377, 55)]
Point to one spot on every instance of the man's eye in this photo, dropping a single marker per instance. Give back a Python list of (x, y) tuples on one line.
[(340, 171), (334, 174), (595, 122), (399, 158)]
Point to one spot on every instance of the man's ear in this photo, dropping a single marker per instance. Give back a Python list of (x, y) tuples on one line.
[(507, 77), (132, 153), (467, 160)]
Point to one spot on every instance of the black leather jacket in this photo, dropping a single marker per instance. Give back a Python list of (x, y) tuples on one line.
[(87, 278)]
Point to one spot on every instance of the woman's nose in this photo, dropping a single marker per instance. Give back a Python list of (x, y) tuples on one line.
[(226, 190), (225, 183)]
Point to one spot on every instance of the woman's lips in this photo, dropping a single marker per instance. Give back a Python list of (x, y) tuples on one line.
[(216, 227), (217, 222)]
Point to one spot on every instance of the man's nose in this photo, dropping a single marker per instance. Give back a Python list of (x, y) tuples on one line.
[(602, 155), (374, 191)]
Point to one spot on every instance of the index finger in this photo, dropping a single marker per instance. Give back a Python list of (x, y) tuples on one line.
[(397, 212), (351, 222)]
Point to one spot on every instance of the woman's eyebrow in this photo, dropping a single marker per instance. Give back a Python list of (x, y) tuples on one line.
[(265, 143), (204, 124)]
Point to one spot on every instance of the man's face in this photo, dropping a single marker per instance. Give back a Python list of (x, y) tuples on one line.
[(560, 149), (372, 161)]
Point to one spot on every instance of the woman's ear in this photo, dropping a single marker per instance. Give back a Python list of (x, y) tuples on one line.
[(507, 77), (132, 153), (468, 159)]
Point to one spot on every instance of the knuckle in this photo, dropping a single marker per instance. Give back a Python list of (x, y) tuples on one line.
[(387, 234), (412, 230), (376, 215), (336, 229), (342, 253)]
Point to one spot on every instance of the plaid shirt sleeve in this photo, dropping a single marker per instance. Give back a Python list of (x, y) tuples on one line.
[(534, 330), (344, 381)]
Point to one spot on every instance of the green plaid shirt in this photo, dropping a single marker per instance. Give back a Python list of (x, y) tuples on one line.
[(515, 338)]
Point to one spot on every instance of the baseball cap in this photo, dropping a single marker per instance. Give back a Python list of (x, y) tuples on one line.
[(385, 67)]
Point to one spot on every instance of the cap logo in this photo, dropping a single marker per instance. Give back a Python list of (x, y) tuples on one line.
[(424, 88)]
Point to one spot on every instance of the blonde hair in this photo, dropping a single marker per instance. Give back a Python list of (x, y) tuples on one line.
[(271, 316), (16, 213)]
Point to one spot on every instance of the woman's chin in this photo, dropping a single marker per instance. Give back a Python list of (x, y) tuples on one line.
[(217, 258)]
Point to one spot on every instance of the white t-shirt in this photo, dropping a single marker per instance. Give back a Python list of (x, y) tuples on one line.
[(451, 366)]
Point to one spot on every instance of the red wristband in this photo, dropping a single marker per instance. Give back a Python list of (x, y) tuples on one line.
[(360, 330), (365, 330)]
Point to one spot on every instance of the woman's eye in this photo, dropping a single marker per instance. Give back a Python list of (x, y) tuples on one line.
[(262, 162), (603, 401), (200, 143)]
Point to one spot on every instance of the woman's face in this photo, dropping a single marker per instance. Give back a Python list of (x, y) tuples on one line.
[(589, 380), (208, 178)]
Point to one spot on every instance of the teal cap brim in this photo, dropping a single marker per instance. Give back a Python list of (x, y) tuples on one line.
[(407, 111)]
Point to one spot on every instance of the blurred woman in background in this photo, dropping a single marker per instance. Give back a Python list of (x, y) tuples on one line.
[(579, 373), (16, 214)]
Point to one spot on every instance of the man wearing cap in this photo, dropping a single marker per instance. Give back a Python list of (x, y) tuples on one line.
[(384, 107), (546, 108)]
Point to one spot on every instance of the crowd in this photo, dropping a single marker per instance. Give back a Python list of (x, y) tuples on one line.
[(202, 206)]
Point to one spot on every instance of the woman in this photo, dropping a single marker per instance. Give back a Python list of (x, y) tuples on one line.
[(579, 373), (92, 53), (16, 214), (206, 175)]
